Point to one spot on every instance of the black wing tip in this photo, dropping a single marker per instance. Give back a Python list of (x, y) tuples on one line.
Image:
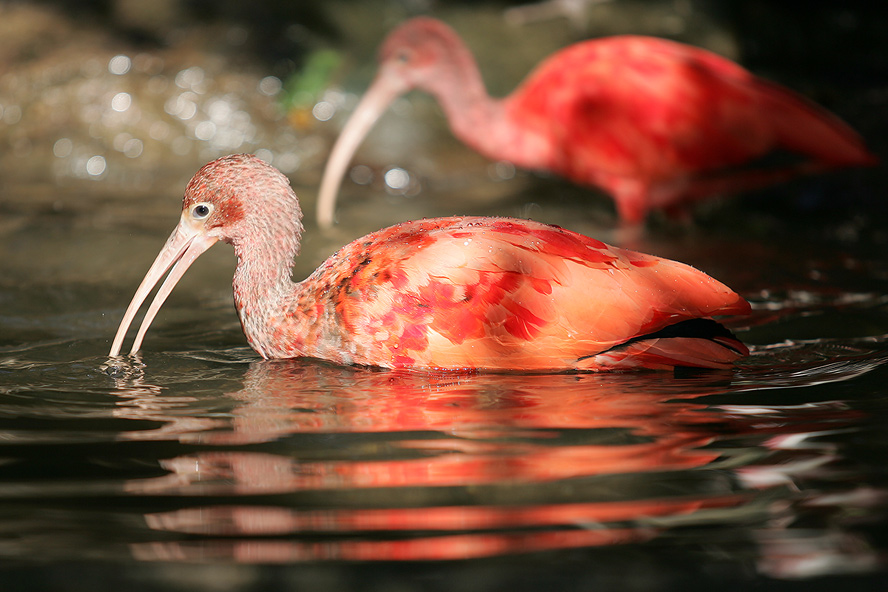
[(698, 328)]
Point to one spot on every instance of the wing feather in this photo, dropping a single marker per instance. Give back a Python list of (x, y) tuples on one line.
[(497, 292)]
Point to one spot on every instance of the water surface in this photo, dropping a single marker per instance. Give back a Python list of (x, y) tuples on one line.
[(198, 466)]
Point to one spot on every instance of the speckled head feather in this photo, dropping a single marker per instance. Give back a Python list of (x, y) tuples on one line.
[(252, 201)]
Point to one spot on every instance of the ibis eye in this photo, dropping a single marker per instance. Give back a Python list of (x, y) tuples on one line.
[(200, 211)]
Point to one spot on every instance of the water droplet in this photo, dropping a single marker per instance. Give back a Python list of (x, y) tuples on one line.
[(270, 85), (265, 155), (323, 111), (335, 97), (119, 65), (96, 166), (182, 106), (205, 130), (188, 110), (503, 169), (133, 148), (219, 111), (397, 178), (190, 77), (12, 114), (63, 147), (361, 174), (288, 162), (121, 102)]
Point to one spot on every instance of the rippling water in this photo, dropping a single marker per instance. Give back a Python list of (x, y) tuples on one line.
[(197, 466), (198, 453)]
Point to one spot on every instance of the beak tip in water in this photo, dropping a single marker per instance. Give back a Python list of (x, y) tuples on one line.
[(180, 251), (122, 366)]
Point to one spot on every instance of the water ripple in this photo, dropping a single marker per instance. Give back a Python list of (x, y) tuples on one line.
[(802, 363)]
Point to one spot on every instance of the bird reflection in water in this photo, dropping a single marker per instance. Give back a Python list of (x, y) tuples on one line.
[(323, 463)]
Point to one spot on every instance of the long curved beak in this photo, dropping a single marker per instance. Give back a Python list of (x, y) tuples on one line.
[(384, 90), (185, 244)]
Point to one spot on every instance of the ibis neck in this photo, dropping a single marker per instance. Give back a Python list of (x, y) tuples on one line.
[(475, 117), (262, 283)]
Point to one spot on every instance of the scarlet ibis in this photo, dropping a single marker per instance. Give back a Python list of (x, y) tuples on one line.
[(450, 293), (652, 122)]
